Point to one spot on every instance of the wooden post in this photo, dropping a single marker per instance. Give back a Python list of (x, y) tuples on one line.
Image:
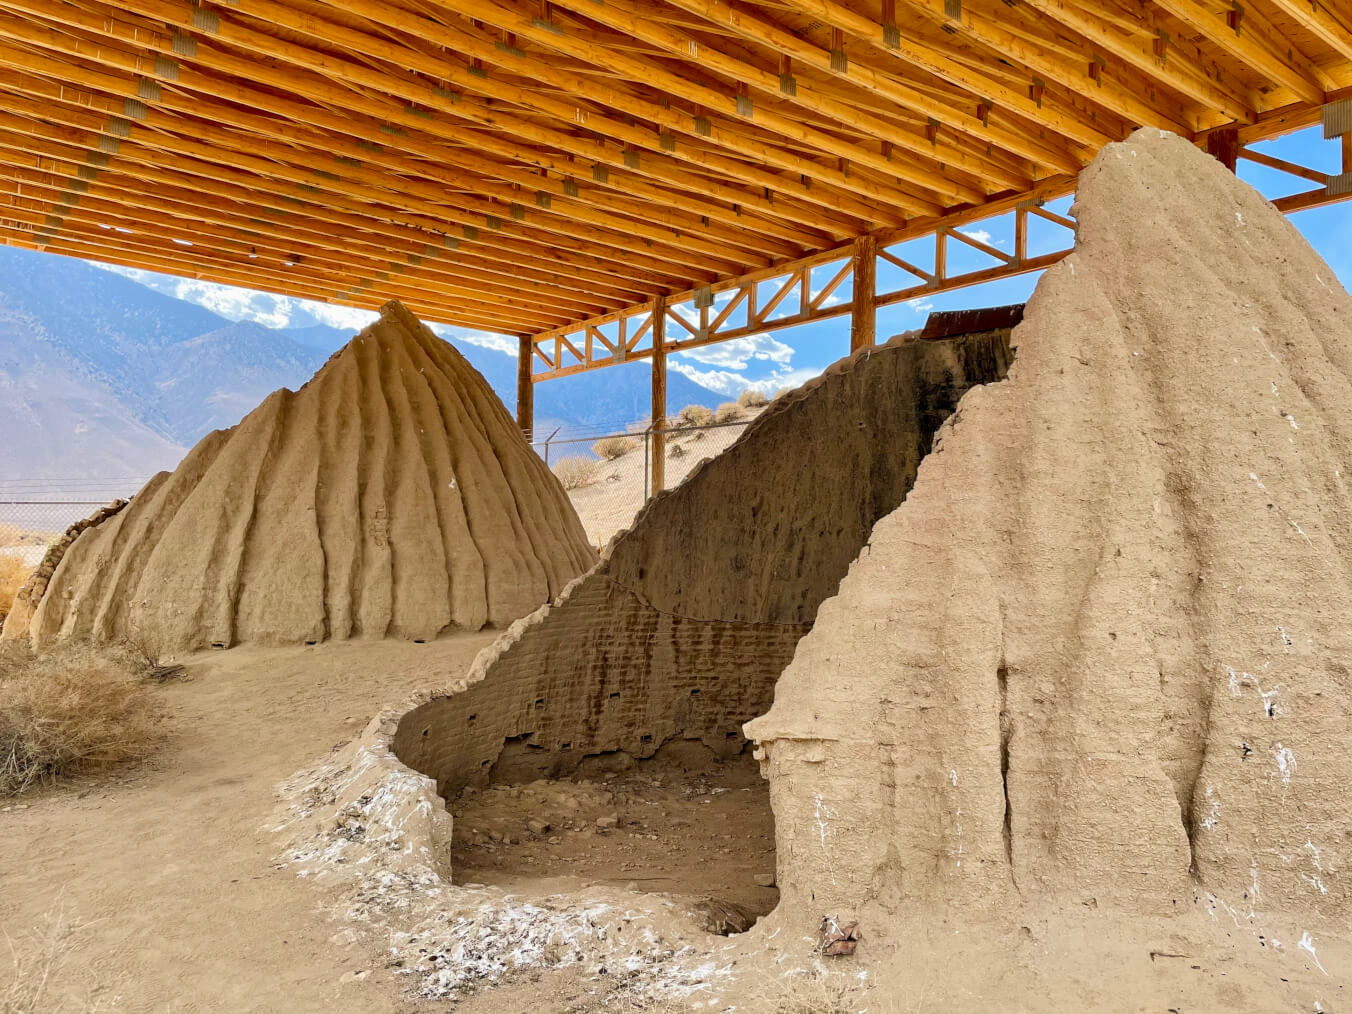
[(1224, 145), (659, 431), (863, 313), (525, 386)]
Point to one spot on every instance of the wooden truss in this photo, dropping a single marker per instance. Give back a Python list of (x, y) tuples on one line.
[(527, 166), (790, 295)]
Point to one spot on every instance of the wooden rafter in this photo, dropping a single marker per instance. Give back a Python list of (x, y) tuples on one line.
[(547, 168)]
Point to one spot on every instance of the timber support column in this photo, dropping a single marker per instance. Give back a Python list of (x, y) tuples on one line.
[(863, 312), (525, 386), (1224, 146), (659, 420)]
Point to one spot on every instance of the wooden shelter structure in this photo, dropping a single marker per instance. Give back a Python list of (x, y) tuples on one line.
[(612, 180)]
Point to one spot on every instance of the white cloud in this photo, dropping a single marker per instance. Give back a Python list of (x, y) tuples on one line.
[(276, 311), (721, 381), (485, 339), (920, 304), (738, 353), (982, 236)]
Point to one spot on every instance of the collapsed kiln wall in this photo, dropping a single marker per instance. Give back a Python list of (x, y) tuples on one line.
[(392, 495), (1100, 656), (682, 630)]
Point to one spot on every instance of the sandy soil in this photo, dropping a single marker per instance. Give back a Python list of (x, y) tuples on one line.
[(169, 865), (609, 504), (703, 837)]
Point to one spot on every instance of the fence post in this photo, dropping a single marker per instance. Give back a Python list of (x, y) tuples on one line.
[(547, 440), (658, 457)]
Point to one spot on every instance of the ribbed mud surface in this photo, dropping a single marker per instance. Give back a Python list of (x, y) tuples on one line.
[(391, 495)]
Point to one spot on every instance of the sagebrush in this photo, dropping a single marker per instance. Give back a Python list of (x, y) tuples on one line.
[(612, 447), (752, 398), (693, 415), (576, 472), (729, 412), (13, 573), (72, 710)]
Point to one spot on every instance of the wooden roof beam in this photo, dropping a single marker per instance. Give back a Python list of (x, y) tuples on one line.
[(229, 223), (479, 210), (659, 166), (92, 213), (1321, 22), (1246, 43), (175, 263), (901, 47), (779, 38), (1174, 70), (620, 16), (995, 34), (215, 178)]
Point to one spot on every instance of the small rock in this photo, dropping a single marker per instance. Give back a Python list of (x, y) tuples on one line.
[(353, 976), (555, 839), (608, 821), (765, 880), (537, 826), (495, 835)]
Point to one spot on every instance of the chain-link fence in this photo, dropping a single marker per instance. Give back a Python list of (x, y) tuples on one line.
[(608, 472), (33, 512)]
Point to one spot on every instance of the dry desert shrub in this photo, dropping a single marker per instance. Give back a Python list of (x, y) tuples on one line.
[(693, 415), (752, 398), (575, 472), (13, 535), (39, 959), (13, 573), (612, 447), (74, 709), (729, 412)]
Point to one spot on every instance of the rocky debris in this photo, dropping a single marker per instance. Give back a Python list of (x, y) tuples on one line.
[(723, 918), (448, 940), (836, 939)]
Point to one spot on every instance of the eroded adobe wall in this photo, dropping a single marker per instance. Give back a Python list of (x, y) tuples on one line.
[(682, 630), (392, 495), (1099, 657)]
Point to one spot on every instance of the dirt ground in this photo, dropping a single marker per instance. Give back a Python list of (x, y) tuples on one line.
[(168, 866), (609, 503), (704, 836)]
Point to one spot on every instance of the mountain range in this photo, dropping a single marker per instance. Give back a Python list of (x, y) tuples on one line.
[(101, 375)]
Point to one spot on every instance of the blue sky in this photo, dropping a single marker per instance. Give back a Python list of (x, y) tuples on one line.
[(789, 356)]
